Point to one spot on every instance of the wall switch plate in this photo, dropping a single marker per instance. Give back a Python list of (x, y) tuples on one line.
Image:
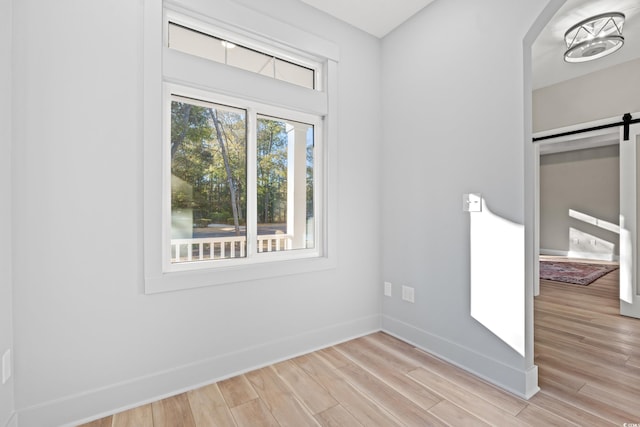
[(472, 202), (388, 289), (6, 366), (408, 293)]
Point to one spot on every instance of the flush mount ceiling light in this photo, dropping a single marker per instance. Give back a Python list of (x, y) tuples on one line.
[(594, 37)]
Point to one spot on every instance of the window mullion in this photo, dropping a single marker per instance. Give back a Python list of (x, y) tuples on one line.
[(252, 186)]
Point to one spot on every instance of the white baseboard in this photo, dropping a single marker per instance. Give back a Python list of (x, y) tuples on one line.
[(531, 382), (95, 404), (521, 383), (580, 255), (553, 252)]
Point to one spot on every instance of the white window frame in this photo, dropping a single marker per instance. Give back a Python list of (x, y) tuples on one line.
[(167, 70), (253, 109), (294, 56)]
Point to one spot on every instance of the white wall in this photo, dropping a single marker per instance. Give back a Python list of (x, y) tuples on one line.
[(586, 181), (6, 335), (611, 92), (453, 123), (87, 339)]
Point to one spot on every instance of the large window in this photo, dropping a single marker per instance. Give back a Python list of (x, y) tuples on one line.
[(239, 132), (219, 171)]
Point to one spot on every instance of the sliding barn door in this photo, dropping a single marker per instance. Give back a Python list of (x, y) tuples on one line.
[(629, 200)]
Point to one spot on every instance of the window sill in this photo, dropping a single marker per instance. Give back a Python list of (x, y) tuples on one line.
[(176, 281)]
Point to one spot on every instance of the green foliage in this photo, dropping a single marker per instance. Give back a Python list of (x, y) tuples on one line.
[(209, 163), (272, 171), (197, 161)]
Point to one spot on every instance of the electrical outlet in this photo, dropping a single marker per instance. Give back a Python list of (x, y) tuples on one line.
[(388, 289), (6, 366), (408, 294)]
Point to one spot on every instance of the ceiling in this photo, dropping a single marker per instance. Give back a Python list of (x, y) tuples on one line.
[(547, 51), (379, 17)]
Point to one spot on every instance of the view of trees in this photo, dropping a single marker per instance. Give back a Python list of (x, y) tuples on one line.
[(208, 157), (272, 171), (209, 165)]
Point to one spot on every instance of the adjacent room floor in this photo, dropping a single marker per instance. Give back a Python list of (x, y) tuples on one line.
[(587, 353)]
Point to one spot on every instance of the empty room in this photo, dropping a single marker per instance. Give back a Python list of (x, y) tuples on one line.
[(305, 212)]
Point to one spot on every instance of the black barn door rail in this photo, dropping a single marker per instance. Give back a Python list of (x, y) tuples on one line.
[(627, 120)]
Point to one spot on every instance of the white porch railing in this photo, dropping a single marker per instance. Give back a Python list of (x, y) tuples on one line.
[(274, 242), (207, 248)]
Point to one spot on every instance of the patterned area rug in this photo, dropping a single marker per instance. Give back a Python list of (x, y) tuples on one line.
[(578, 273)]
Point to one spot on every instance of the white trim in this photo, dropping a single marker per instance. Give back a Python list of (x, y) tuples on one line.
[(177, 281), (531, 382), (152, 135), (330, 166), (189, 70), (253, 88), (98, 403), (510, 378), (219, 30), (629, 290), (602, 139), (579, 255), (535, 230), (252, 183), (252, 110), (579, 141), (531, 212), (553, 252), (226, 15)]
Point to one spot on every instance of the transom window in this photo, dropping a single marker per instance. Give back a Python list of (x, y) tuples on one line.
[(231, 53)]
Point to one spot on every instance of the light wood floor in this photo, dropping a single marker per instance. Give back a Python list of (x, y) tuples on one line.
[(588, 357), (587, 354)]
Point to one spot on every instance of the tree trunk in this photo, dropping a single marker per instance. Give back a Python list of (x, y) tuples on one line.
[(227, 167), (268, 209)]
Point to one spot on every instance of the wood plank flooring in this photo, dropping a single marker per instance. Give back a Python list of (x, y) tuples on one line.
[(588, 358), (586, 352)]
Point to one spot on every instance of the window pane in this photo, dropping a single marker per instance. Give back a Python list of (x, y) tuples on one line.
[(295, 74), (196, 43), (285, 161), (216, 49), (208, 181), (250, 60)]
